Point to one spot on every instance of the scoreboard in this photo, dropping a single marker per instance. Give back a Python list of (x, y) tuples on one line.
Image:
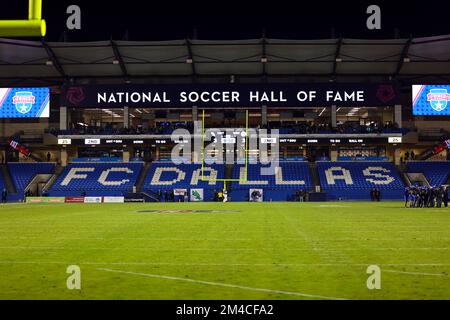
[(232, 140)]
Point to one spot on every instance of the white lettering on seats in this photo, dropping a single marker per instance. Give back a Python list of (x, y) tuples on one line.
[(243, 177), (73, 175), (387, 179), (156, 180), (104, 176), (345, 175), (279, 178), (197, 175)]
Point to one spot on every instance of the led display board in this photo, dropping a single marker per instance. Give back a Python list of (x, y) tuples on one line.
[(431, 100), (24, 102)]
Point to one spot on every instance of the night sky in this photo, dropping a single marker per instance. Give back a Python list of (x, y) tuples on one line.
[(165, 20)]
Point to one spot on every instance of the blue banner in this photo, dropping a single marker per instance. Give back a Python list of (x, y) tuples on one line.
[(431, 100), (24, 102)]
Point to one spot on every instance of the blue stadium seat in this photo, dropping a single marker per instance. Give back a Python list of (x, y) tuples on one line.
[(97, 179), (2, 183), (23, 173), (355, 180), (437, 172), (280, 185), (167, 176)]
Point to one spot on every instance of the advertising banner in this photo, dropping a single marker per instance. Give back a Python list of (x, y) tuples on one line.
[(45, 200), (24, 102), (196, 195), (256, 195), (135, 199), (431, 100), (113, 199), (92, 199), (179, 192), (17, 146), (74, 200), (230, 95), (35, 200)]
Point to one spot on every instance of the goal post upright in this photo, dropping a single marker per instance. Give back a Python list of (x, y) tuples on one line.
[(246, 152), (35, 26)]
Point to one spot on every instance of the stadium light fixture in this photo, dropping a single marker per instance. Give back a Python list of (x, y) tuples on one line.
[(264, 60), (35, 26), (338, 59), (406, 59), (189, 61), (49, 63), (115, 61)]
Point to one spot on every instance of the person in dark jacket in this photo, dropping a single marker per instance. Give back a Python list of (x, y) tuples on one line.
[(445, 199), (372, 194), (378, 195), (159, 194), (4, 195)]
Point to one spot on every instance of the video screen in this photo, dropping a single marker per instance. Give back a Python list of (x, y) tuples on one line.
[(24, 102), (431, 100)]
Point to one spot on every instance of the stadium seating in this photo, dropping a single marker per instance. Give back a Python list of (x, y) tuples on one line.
[(23, 173), (355, 180), (280, 185), (2, 183), (96, 179), (436, 172), (168, 176)]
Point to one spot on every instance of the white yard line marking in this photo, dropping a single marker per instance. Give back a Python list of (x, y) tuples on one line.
[(418, 273), (219, 284)]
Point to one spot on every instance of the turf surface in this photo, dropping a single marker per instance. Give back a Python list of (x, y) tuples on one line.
[(249, 251)]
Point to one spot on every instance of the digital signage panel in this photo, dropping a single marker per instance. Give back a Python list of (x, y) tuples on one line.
[(24, 102), (431, 100)]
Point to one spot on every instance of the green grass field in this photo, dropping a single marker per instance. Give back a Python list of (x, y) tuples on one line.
[(253, 251)]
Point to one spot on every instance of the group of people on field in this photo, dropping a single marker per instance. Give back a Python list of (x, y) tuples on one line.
[(426, 197), (165, 196), (375, 195), (220, 196)]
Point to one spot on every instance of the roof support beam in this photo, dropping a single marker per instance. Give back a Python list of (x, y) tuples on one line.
[(275, 75), (54, 59), (264, 55), (336, 55), (119, 58), (403, 55), (191, 57)]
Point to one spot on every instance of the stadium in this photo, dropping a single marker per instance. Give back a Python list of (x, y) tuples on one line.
[(258, 169)]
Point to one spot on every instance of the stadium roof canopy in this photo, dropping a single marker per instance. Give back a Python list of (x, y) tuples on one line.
[(408, 60)]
